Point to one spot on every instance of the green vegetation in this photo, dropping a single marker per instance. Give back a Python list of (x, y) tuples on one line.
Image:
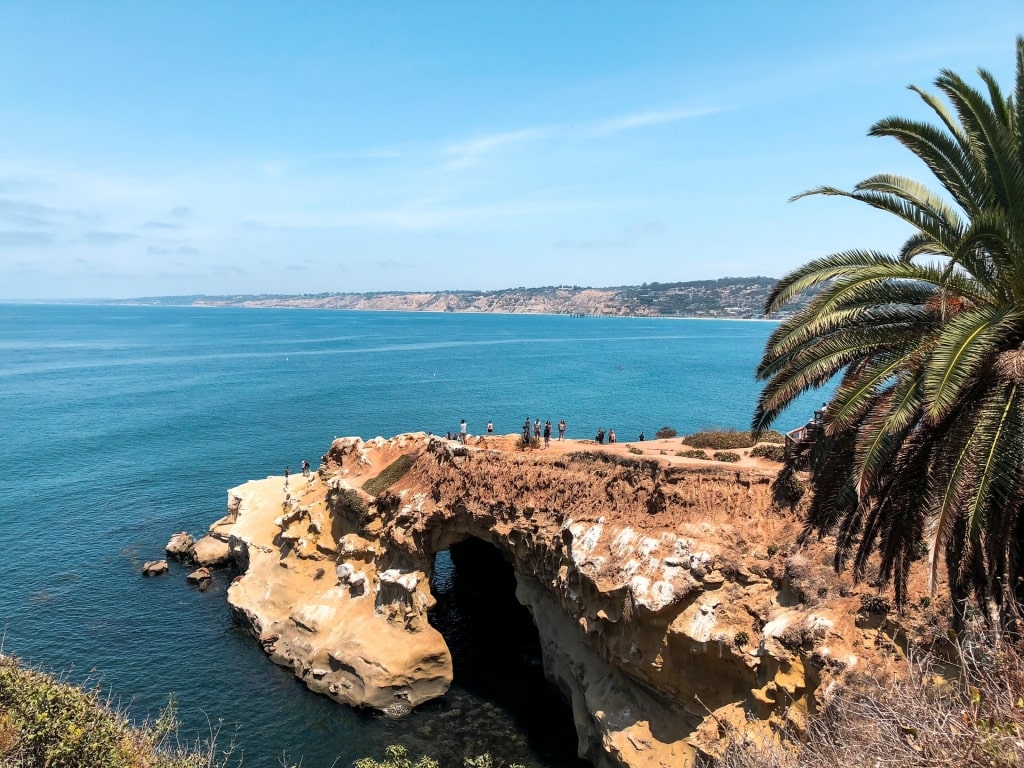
[(924, 436), (769, 451), (390, 475), (721, 439), (665, 432), (46, 723), (694, 453), (728, 456), (396, 756), (634, 450)]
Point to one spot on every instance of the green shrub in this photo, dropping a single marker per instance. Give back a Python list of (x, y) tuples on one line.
[(769, 451), (390, 475), (665, 432), (728, 456), (396, 756), (741, 639), (694, 453), (875, 604), (51, 724), (634, 450), (720, 439), (531, 442)]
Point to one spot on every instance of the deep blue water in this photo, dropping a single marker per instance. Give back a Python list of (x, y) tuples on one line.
[(121, 425)]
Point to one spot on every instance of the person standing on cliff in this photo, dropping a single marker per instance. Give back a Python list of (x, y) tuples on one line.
[(536, 428), (561, 429), (462, 431), (490, 428), (611, 436), (547, 433), (287, 470), (526, 431)]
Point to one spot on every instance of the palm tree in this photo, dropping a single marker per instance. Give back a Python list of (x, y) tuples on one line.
[(922, 448)]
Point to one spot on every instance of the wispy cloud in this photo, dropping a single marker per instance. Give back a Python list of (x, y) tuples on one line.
[(468, 153), (644, 119), (162, 225), (22, 239)]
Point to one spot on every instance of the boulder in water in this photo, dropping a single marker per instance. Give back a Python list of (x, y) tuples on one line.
[(200, 577), (154, 568), (211, 550), (181, 546)]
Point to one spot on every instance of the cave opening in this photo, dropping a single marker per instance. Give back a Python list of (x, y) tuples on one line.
[(496, 650)]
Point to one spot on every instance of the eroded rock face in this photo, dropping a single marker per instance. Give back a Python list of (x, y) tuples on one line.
[(664, 615)]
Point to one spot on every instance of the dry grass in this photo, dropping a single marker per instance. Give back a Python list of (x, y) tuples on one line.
[(937, 715)]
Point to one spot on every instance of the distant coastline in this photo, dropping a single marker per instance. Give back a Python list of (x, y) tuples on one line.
[(732, 298)]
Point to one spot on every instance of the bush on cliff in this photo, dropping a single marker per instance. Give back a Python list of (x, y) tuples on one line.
[(723, 439), (46, 723), (769, 451), (727, 456), (396, 756), (969, 713), (390, 475)]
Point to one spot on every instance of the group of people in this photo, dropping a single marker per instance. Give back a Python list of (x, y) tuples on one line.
[(600, 436), (544, 430), (288, 471)]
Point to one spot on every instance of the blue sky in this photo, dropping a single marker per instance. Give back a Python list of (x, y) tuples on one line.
[(164, 148)]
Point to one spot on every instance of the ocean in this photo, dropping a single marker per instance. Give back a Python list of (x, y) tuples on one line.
[(120, 425)]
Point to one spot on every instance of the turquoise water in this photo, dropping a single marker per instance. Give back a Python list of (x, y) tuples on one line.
[(121, 425)]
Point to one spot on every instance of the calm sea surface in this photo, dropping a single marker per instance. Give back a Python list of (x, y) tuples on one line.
[(121, 425)]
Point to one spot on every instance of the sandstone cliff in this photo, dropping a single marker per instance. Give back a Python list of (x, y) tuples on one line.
[(672, 609)]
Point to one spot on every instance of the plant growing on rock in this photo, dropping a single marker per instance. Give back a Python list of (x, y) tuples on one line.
[(722, 439), (45, 722), (693, 453), (665, 433), (390, 475), (924, 436), (769, 451), (727, 456)]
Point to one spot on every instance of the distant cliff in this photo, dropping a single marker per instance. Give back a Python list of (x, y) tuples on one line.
[(728, 297)]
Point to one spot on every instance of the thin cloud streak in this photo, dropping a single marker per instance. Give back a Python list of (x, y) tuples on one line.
[(468, 153), (615, 125)]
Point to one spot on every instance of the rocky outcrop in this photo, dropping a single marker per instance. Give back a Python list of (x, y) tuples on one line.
[(154, 568), (212, 550), (180, 546), (671, 612)]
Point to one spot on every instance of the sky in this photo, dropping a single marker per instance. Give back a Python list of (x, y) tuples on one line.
[(174, 148)]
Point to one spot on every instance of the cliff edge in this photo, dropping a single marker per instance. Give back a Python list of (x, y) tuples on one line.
[(673, 610)]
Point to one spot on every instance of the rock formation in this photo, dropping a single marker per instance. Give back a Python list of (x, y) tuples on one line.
[(180, 546), (671, 611), (154, 568)]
